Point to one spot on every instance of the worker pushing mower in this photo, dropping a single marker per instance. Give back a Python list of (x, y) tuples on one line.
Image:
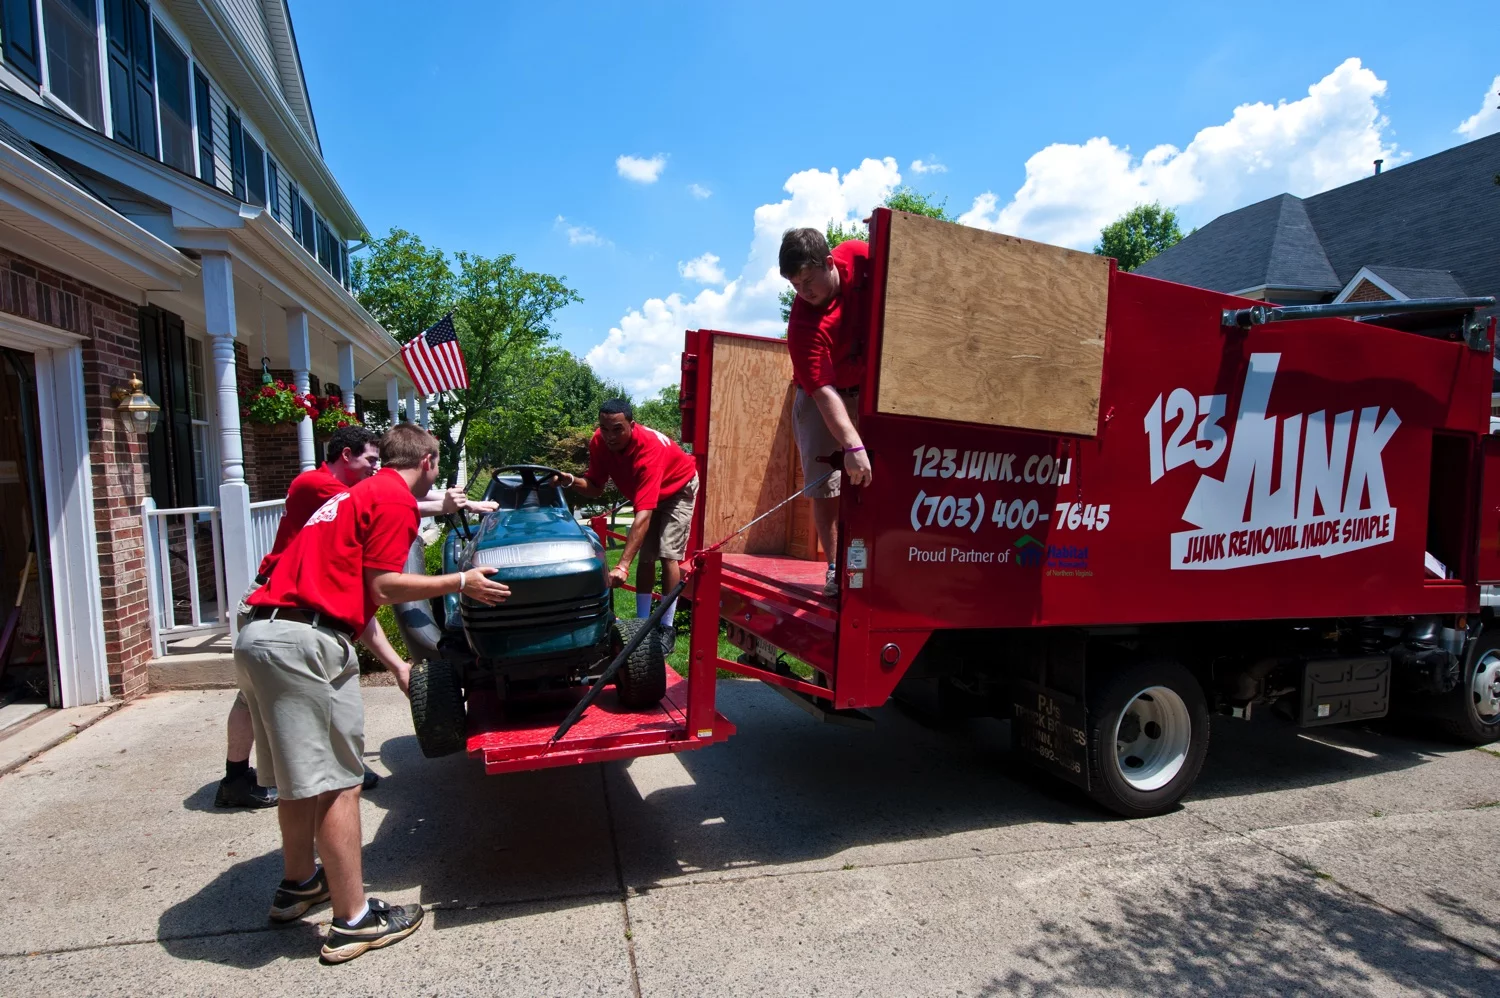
[(1100, 506)]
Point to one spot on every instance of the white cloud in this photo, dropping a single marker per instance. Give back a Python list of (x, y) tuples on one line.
[(642, 171), (704, 269), (699, 191), (931, 166), (581, 235), (1328, 138), (1485, 121), (644, 349)]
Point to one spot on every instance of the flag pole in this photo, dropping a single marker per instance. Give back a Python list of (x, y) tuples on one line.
[(375, 368)]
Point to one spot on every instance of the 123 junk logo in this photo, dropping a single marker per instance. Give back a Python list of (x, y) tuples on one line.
[(1325, 496)]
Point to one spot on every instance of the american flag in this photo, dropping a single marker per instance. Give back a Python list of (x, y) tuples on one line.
[(434, 359)]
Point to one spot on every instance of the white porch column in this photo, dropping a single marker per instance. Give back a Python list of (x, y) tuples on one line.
[(299, 348), (346, 373), (393, 398), (411, 405), (426, 418), (234, 493)]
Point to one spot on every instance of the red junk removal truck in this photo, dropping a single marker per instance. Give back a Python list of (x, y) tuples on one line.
[(1103, 506)]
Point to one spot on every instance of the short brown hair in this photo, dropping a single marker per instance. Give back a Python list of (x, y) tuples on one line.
[(801, 248), (405, 444)]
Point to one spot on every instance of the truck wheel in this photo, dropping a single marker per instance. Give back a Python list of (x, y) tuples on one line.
[(642, 680), (1148, 736), (1471, 712), (437, 708)]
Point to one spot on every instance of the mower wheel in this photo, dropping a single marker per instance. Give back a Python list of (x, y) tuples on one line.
[(1470, 713), (642, 679), (1148, 736), (437, 708)]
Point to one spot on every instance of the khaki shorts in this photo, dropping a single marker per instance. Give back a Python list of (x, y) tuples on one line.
[(815, 440), (667, 538), (302, 686)]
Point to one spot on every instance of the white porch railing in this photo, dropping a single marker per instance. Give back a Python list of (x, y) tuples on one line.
[(183, 543)]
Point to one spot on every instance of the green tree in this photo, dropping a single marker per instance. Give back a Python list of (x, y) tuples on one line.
[(663, 412), (401, 282), (1139, 234)]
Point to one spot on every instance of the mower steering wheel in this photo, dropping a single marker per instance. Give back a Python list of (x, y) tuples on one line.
[(531, 475)]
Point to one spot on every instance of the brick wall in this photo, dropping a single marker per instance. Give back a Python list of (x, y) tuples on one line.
[(120, 473), (276, 461), (1368, 292)]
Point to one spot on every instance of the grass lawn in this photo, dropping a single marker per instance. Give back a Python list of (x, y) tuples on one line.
[(678, 660)]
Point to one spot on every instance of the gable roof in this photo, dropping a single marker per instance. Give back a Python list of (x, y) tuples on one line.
[(1440, 213), (1417, 283)]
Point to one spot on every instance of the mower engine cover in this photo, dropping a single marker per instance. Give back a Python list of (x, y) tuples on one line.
[(558, 616)]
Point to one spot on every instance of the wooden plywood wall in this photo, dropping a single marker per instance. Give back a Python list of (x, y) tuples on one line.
[(987, 328), (750, 447)]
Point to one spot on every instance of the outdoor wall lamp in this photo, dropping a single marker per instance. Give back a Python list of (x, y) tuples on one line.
[(137, 411)]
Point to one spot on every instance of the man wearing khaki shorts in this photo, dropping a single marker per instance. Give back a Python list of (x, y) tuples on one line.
[(825, 336), (661, 481)]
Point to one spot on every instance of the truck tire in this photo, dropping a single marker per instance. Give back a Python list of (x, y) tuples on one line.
[(642, 680), (1471, 712), (437, 708), (1148, 736)]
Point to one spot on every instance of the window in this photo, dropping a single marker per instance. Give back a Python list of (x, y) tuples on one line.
[(345, 278), (255, 170), (72, 33), (308, 237), (237, 155), (273, 187), (132, 90), (169, 447), (294, 208), (205, 127), (19, 31), (205, 471), (176, 105), (325, 246)]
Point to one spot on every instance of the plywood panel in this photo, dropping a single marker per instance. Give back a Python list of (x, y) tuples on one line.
[(986, 328), (749, 443)]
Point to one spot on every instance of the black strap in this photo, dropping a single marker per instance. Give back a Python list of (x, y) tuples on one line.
[(301, 616)]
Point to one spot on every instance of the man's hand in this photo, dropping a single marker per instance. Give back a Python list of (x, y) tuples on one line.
[(476, 505), (403, 676), (857, 467), (479, 587), (618, 576), (559, 479)]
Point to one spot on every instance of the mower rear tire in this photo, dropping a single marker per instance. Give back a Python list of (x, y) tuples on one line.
[(642, 679), (437, 708)]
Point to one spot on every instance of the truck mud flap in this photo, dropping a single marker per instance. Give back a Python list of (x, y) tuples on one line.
[(1337, 690), (1050, 732)]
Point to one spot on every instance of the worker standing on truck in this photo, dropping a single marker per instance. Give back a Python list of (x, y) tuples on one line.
[(825, 336), (661, 482), (352, 456), (296, 665)]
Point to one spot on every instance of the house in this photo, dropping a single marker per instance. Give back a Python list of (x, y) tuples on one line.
[(165, 213), (1425, 229)]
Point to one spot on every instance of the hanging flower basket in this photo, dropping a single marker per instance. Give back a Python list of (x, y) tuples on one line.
[(333, 415), (276, 403)]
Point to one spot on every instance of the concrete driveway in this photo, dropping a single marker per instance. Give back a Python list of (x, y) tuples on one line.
[(796, 859)]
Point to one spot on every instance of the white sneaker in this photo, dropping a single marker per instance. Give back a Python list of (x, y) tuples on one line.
[(831, 581)]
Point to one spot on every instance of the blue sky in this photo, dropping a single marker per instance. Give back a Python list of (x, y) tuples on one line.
[(498, 127)]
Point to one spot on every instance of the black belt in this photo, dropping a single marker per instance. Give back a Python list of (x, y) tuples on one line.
[(260, 579), (301, 616)]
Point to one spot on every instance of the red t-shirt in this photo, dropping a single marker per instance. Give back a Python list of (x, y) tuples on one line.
[(828, 344), (650, 467), (309, 490), (369, 526)]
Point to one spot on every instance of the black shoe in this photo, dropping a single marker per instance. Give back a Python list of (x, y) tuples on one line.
[(242, 791), (292, 901), (667, 634), (372, 780), (382, 926)]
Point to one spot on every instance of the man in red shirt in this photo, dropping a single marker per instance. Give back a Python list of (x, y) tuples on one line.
[(297, 668), (661, 481), (352, 456), (825, 335)]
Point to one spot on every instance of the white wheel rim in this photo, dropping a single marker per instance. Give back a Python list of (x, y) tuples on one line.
[(1152, 738), (1487, 687)]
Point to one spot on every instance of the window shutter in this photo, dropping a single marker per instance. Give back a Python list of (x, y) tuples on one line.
[(158, 442), (255, 170), (179, 410), (19, 27), (205, 127), (294, 207), (237, 155), (273, 188), (309, 234), (132, 92)]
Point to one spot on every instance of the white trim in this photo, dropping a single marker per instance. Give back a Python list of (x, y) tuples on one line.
[(20, 85), (107, 118), (77, 605), (183, 42), (1366, 274), (28, 335)]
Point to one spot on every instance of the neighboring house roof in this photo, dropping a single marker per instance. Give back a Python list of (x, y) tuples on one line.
[(1438, 214), (1418, 283)]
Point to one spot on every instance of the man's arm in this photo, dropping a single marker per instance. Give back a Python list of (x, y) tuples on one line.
[(374, 639), (581, 485), (633, 541), (856, 462), (386, 587), (438, 502)]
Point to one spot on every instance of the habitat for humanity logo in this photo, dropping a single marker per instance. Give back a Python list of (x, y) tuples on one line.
[(1059, 559), (1263, 510)]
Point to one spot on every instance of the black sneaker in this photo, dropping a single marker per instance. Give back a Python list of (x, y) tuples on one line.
[(243, 791), (372, 780), (292, 901), (667, 634), (382, 926)]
